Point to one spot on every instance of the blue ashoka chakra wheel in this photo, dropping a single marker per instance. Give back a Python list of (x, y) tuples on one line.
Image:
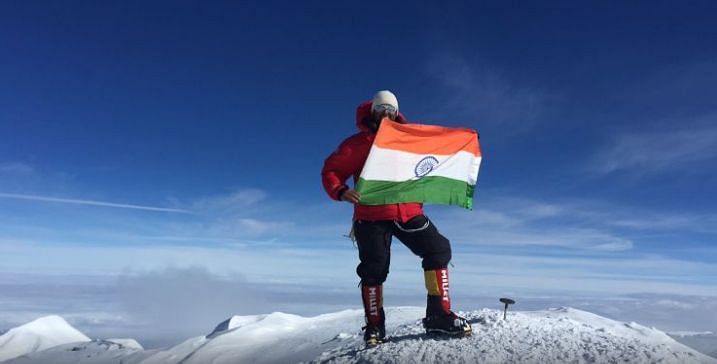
[(425, 166)]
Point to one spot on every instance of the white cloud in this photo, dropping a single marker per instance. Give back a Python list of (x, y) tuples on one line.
[(511, 244), (185, 302), (268, 262), (576, 223), (16, 168), (615, 246), (637, 219), (239, 199), (161, 307), (480, 92), (246, 227), (651, 152), (334, 266), (158, 307), (562, 237), (88, 202), (537, 274), (506, 222)]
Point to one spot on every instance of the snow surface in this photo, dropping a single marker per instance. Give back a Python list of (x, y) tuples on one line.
[(550, 336), (38, 335), (92, 352), (689, 333), (705, 342)]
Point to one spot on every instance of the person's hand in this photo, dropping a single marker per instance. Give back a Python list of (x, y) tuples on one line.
[(350, 196)]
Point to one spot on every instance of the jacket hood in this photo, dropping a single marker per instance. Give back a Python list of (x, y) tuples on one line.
[(363, 111)]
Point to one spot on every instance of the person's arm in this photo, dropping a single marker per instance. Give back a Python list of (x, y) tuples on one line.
[(338, 167)]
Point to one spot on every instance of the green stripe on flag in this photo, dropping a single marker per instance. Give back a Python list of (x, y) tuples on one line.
[(429, 189)]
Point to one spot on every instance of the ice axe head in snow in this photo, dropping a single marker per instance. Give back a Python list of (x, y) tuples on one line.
[(507, 302)]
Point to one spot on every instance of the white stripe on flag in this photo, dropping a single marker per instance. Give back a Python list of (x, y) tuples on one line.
[(399, 166)]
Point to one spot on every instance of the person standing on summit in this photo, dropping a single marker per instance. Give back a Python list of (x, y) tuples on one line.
[(375, 225)]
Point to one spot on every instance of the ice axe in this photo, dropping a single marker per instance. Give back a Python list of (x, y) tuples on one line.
[(507, 302)]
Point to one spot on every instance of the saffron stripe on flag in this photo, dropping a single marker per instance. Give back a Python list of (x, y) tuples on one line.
[(427, 139)]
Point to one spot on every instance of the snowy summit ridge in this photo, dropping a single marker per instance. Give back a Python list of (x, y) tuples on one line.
[(38, 335), (550, 336)]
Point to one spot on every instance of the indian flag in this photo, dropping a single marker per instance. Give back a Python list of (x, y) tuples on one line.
[(421, 163)]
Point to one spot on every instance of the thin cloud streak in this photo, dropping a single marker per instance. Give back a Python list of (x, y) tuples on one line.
[(530, 270), (16, 168), (513, 222), (481, 92), (656, 152), (90, 203), (223, 237), (237, 200), (576, 224)]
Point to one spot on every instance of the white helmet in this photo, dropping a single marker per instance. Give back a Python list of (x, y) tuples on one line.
[(383, 101)]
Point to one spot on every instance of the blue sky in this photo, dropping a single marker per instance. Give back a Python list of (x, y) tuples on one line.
[(178, 139)]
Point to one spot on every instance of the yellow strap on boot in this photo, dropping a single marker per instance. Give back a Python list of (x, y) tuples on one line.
[(432, 283)]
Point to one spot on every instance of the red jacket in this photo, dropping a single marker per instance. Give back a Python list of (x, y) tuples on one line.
[(348, 160)]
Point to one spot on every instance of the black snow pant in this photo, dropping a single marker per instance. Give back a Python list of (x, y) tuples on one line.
[(418, 234)]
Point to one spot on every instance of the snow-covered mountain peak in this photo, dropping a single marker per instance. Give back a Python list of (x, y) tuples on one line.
[(232, 323), (51, 324), (549, 336), (125, 343), (275, 319), (37, 335)]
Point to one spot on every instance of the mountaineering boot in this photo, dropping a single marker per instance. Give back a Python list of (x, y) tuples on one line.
[(439, 317), (447, 323), (375, 330), (374, 335)]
